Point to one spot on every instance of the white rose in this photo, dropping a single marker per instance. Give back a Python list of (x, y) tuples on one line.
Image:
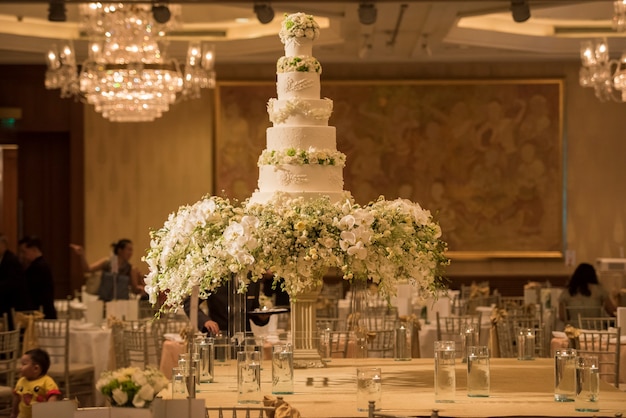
[(138, 402), (146, 393), (119, 396)]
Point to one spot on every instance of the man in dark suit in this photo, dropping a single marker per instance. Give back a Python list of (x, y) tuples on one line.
[(13, 292), (38, 276), (216, 318)]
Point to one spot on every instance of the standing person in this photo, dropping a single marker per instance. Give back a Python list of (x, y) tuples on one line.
[(38, 275), (116, 268), (34, 385), (13, 291), (586, 293)]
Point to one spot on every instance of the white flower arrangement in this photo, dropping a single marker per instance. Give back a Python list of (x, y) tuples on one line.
[(296, 156), (298, 64), (293, 107), (131, 386), (298, 25), (298, 240)]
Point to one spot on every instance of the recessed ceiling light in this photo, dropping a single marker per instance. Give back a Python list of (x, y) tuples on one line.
[(242, 20)]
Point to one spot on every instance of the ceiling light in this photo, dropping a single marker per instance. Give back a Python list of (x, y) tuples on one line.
[(127, 75), (264, 12), (367, 13), (161, 13), (619, 16), (607, 77), (56, 11), (520, 10)]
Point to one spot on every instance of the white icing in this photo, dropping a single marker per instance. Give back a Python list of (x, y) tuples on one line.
[(264, 197), (295, 85), (298, 46), (300, 112), (280, 137), (300, 178)]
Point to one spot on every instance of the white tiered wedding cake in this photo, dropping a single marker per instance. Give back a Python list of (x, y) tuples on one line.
[(301, 156)]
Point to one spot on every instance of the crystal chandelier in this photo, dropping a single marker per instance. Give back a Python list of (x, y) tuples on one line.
[(127, 75), (605, 75)]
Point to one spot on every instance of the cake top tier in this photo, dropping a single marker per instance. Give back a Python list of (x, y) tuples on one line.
[(298, 25)]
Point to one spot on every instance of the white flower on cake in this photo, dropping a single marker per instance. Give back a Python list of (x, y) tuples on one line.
[(295, 156), (298, 107), (298, 64), (299, 25)]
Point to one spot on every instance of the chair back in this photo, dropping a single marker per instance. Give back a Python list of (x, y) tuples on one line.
[(167, 324), (380, 343), (339, 342), (9, 352), (4, 322), (508, 302), (139, 344), (596, 323), (375, 318), (54, 337), (573, 312), (24, 321), (508, 328), (605, 345), (451, 327), (74, 379)]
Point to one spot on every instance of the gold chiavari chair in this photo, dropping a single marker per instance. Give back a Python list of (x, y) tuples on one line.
[(380, 343), (596, 323), (74, 379), (509, 327), (605, 345), (139, 344), (451, 328), (167, 324), (9, 352), (4, 322), (573, 312)]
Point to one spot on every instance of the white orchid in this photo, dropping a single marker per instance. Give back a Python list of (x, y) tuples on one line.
[(298, 240)]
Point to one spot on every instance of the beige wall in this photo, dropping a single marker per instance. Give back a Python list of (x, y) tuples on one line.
[(137, 173)]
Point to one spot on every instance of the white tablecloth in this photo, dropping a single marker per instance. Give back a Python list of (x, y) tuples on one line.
[(91, 345)]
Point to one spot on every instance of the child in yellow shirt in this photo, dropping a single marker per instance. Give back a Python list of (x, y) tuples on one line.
[(34, 384)]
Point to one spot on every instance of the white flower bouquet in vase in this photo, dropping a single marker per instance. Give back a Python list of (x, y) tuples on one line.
[(131, 388)]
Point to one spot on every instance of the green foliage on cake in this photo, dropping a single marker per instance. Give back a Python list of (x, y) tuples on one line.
[(298, 64), (296, 156)]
